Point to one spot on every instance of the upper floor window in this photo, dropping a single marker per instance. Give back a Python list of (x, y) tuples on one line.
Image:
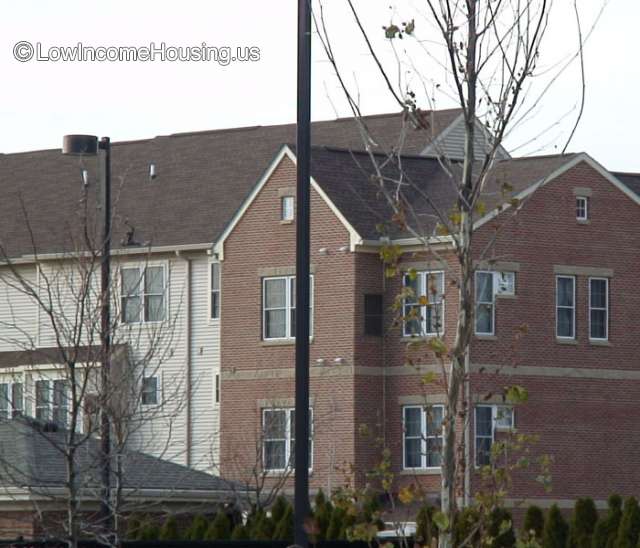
[(11, 399), (424, 304), (52, 401), (287, 208), (142, 294), (215, 290), (582, 208), (373, 316), (279, 444), (150, 390), (565, 307), (489, 419), (485, 303), (279, 307), (598, 308), (422, 436)]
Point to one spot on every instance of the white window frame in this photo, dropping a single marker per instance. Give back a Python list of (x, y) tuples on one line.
[(8, 406), (582, 203), (158, 379), (491, 303), (287, 208), (50, 405), (289, 306), (142, 270), (289, 437), (605, 309), (573, 308), (496, 426), (423, 277), (212, 290), (424, 436)]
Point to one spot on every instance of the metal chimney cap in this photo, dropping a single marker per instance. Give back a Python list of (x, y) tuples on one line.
[(78, 145)]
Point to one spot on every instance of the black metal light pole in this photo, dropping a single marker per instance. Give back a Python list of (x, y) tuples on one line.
[(88, 145), (303, 151)]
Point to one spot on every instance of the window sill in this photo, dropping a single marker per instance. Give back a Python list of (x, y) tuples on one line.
[(282, 473), (597, 342), (420, 472), (583, 221), (419, 338), (287, 222), (507, 296), (281, 342), (573, 342), (481, 337)]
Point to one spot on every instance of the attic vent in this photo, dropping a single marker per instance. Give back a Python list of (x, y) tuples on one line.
[(152, 171)]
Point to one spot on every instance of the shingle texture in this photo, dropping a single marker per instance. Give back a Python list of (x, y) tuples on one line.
[(202, 179), (29, 457)]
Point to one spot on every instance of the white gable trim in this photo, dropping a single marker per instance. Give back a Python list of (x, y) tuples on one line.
[(285, 151), (583, 157)]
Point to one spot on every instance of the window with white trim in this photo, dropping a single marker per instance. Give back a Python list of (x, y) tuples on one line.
[(11, 399), (598, 309), (215, 291), (279, 307), (582, 208), (490, 419), (150, 390), (566, 307), (216, 396), (52, 401), (424, 304), (278, 439), (142, 294), (422, 427), (485, 303), (287, 208)]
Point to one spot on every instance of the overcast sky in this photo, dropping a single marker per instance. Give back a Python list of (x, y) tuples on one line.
[(41, 101)]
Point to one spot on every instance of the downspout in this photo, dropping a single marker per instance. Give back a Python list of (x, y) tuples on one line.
[(187, 355)]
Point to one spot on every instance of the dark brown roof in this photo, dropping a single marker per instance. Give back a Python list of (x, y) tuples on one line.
[(202, 179), (53, 355), (346, 177), (631, 180)]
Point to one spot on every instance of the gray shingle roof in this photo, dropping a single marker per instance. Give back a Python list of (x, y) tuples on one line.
[(29, 458), (202, 179)]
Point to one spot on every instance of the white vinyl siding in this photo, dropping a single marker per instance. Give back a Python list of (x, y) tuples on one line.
[(599, 309), (423, 308), (565, 307)]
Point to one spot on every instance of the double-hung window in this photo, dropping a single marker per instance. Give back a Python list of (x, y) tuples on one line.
[(287, 208), (52, 401), (422, 436), (142, 294), (423, 304), (11, 399), (279, 307), (488, 420), (582, 208), (565, 307), (485, 303), (598, 309), (150, 390), (279, 444), (215, 290)]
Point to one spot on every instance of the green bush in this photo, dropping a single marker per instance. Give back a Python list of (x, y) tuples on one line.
[(501, 529), (284, 528), (219, 528), (583, 523), (240, 532), (169, 529), (604, 535), (279, 508), (534, 522), (148, 531), (262, 527), (337, 525), (322, 514), (465, 527), (134, 524), (556, 530), (198, 528), (425, 528), (629, 527)]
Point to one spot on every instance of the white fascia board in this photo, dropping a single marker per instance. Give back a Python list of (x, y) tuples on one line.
[(354, 237), (582, 157)]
